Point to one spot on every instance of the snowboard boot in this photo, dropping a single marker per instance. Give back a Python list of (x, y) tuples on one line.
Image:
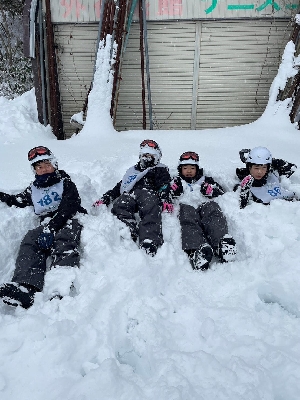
[(226, 250), (201, 257), (15, 294), (149, 247)]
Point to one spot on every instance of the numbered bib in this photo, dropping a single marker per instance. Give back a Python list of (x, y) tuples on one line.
[(132, 176), (46, 200), (271, 190)]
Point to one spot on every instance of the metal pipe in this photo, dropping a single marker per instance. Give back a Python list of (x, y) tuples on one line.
[(133, 6), (42, 66), (142, 65), (147, 65)]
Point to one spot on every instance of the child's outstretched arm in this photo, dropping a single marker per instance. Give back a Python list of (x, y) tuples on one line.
[(246, 185), (283, 167), (109, 196), (243, 155), (20, 200)]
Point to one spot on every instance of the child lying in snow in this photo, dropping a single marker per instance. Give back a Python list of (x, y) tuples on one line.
[(56, 201), (143, 189), (260, 180), (204, 229)]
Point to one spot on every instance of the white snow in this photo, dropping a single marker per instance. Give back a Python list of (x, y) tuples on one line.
[(141, 328)]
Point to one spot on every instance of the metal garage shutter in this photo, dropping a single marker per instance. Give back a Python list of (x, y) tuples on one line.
[(76, 46), (171, 54), (238, 62), (204, 74)]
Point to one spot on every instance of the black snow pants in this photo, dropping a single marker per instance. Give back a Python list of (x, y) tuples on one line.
[(31, 260), (202, 225), (148, 205)]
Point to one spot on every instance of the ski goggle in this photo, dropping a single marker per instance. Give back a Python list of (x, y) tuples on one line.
[(38, 151), (189, 155), (150, 143)]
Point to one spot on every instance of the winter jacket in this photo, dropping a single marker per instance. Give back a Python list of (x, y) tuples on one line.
[(268, 188), (263, 190), (205, 186), (156, 179), (69, 204)]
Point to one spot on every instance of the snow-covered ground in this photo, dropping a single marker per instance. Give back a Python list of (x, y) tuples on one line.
[(142, 328)]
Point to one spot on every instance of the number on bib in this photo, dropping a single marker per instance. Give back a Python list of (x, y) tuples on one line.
[(274, 192)]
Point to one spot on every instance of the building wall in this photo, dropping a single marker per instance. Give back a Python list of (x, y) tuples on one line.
[(89, 10), (206, 71), (204, 74)]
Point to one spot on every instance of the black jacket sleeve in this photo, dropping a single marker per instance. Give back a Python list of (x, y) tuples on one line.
[(68, 207), (283, 167), (241, 173), (112, 194), (20, 200), (162, 177), (162, 183)]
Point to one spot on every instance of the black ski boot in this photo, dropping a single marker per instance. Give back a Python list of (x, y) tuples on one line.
[(149, 247), (226, 250), (201, 257), (15, 294)]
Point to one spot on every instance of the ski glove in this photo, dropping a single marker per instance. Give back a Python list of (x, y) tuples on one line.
[(98, 208), (246, 185), (45, 240), (98, 203), (168, 207), (207, 189), (244, 154)]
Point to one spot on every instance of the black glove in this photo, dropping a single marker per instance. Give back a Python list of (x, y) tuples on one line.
[(206, 189), (45, 240), (3, 196), (246, 185), (244, 154)]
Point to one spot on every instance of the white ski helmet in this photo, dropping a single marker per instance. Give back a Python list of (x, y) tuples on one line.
[(259, 155), (41, 153), (149, 146)]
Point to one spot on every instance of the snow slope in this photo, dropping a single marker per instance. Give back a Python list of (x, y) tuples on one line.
[(142, 328)]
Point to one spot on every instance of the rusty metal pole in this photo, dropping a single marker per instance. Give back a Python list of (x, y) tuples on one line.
[(55, 106), (142, 64), (147, 64)]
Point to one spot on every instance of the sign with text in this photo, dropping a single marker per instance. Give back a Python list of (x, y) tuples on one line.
[(158, 10)]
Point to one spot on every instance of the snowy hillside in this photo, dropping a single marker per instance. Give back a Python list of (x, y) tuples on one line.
[(142, 328)]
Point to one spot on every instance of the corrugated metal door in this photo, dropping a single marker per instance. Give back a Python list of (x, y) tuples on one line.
[(76, 46), (171, 57), (238, 62), (204, 74)]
